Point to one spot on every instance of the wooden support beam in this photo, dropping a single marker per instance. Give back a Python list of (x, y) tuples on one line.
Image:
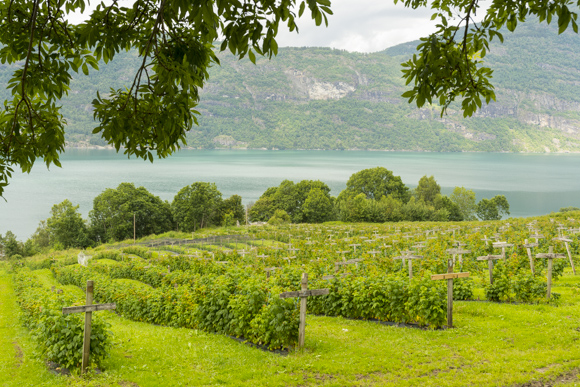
[(449, 276), (304, 293), (88, 309), (489, 259), (550, 256)]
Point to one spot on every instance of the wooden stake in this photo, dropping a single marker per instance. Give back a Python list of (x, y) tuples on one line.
[(489, 259), (550, 256), (87, 337), (528, 247), (449, 277), (566, 241), (304, 293), (88, 309), (302, 329)]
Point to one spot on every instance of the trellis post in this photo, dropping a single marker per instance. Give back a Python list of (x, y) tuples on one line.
[(449, 277), (458, 251), (528, 247), (88, 309), (550, 256), (304, 293), (407, 255), (503, 245), (566, 241), (489, 259)]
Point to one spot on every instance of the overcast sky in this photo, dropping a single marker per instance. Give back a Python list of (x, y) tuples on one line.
[(357, 25), (363, 26)]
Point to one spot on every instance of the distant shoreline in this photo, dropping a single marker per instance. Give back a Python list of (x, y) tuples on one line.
[(110, 147)]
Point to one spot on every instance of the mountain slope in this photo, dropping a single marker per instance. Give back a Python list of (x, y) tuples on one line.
[(318, 98)]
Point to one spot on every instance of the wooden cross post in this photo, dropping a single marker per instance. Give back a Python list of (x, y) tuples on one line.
[(304, 294), (537, 237), (489, 259), (503, 245), (566, 241), (550, 257), (528, 247), (88, 309), (338, 264), (458, 251), (354, 245), (449, 277), (407, 255), (269, 270)]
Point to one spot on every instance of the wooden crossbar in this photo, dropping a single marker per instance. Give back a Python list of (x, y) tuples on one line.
[(349, 262), (488, 257), (449, 276), (305, 293), (88, 308)]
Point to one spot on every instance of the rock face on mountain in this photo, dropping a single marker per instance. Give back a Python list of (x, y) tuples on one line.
[(317, 98)]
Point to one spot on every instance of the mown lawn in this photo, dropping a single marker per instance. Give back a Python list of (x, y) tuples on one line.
[(493, 345)]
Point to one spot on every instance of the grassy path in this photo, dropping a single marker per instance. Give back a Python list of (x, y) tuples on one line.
[(494, 345), (17, 365)]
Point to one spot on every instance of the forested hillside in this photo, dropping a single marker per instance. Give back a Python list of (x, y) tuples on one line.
[(319, 98)]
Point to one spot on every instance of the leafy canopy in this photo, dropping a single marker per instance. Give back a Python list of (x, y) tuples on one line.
[(153, 112), (375, 183), (449, 64)]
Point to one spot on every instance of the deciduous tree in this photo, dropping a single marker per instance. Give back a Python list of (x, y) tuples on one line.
[(427, 189), (197, 206), (493, 209), (113, 210), (66, 226), (465, 199), (375, 183), (153, 112)]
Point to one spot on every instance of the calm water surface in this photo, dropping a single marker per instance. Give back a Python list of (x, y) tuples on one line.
[(533, 184)]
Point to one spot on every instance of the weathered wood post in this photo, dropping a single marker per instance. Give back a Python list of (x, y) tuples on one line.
[(304, 293), (528, 247), (537, 237), (88, 309), (409, 256), (355, 262), (550, 256), (269, 270), (566, 241), (449, 277), (502, 245), (458, 251), (489, 259)]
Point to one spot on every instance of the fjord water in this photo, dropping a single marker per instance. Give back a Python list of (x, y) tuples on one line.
[(534, 184)]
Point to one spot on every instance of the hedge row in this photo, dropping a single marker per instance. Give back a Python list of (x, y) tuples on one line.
[(231, 304), (59, 337), (384, 297), (387, 298)]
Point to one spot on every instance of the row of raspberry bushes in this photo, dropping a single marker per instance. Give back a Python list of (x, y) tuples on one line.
[(387, 298), (59, 337), (510, 284), (230, 304), (156, 275), (374, 296)]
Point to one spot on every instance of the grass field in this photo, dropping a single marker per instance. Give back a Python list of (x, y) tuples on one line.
[(492, 344)]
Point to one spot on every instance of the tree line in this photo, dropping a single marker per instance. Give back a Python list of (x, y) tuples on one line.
[(371, 195)]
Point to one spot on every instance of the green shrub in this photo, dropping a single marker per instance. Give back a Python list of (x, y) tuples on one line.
[(139, 251), (528, 288), (225, 303), (463, 289), (501, 288), (59, 337), (427, 303)]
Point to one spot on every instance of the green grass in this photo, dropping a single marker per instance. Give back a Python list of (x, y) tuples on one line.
[(493, 345)]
